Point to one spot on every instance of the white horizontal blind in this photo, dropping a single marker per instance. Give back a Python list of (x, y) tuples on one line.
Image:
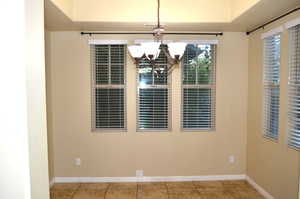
[(153, 95), (198, 87), (294, 87), (108, 86), (271, 85)]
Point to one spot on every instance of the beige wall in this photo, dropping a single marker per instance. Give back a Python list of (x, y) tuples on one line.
[(272, 165), (49, 105), (172, 153)]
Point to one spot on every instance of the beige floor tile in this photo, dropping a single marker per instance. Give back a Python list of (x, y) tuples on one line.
[(151, 185), (209, 185), (93, 186), (246, 194), (192, 194), (61, 194), (123, 186), (152, 194), (121, 194), (214, 195), (177, 187), (89, 194), (156, 190), (65, 186)]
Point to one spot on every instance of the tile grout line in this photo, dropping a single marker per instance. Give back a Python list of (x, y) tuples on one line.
[(167, 190), (75, 191), (137, 189), (106, 190), (193, 182)]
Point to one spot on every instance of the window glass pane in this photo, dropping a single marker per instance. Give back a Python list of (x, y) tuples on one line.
[(197, 108), (198, 82), (145, 72), (271, 112), (161, 76), (294, 87), (108, 86), (153, 94), (109, 107), (150, 75), (101, 64), (198, 64), (153, 108), (271, 86), (117, 54)]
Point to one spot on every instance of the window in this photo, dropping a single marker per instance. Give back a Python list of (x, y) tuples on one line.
[(153, 95), (271, 84), (294, 88), (108, 87), (198, 87)]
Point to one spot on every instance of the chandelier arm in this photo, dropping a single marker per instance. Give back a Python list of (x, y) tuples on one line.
[(170, 69), (158, 13), (165, 51)]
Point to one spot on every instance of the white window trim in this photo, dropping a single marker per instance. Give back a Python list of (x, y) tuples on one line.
[(272, 32), (139, 41), (94, 86), (201, 41), (107, 42), (292, 23)]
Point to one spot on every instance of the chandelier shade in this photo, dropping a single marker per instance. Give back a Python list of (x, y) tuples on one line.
[(151, 49), (136, 51), (176, 50)]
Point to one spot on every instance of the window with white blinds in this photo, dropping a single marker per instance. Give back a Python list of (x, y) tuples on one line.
[(294, 87), (198, 87), (153, 95), (271, 83), (108, 87)]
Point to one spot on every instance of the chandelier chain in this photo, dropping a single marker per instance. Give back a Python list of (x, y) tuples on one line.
[(158, 13)]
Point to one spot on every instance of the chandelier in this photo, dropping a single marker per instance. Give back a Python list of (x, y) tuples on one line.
[(151, 50)]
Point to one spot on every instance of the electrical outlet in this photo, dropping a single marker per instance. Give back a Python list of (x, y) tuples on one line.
[(139, 173), (231, 159), (77, 161)]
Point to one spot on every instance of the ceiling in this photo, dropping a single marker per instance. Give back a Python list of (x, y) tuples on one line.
[(176, 15)]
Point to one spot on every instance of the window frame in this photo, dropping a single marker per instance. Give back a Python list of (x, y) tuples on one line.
[(212, 86), (266, 85), (94, 86), (290, 86), (169, 89)]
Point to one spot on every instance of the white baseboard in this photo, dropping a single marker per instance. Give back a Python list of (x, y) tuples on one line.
[(259, 188), (51, 183), (148, 179)]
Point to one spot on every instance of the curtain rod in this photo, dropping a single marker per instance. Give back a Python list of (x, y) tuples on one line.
[(151, 33), (273, 20)]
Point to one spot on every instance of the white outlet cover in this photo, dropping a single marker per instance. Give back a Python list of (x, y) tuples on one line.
[(139, 173), (77, 161), (231, 159)]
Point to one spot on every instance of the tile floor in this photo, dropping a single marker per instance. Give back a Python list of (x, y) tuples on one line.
[(156, 190)]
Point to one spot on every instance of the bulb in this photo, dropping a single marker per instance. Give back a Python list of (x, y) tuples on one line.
[(151, 49), (176, 49), (136, 51)]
